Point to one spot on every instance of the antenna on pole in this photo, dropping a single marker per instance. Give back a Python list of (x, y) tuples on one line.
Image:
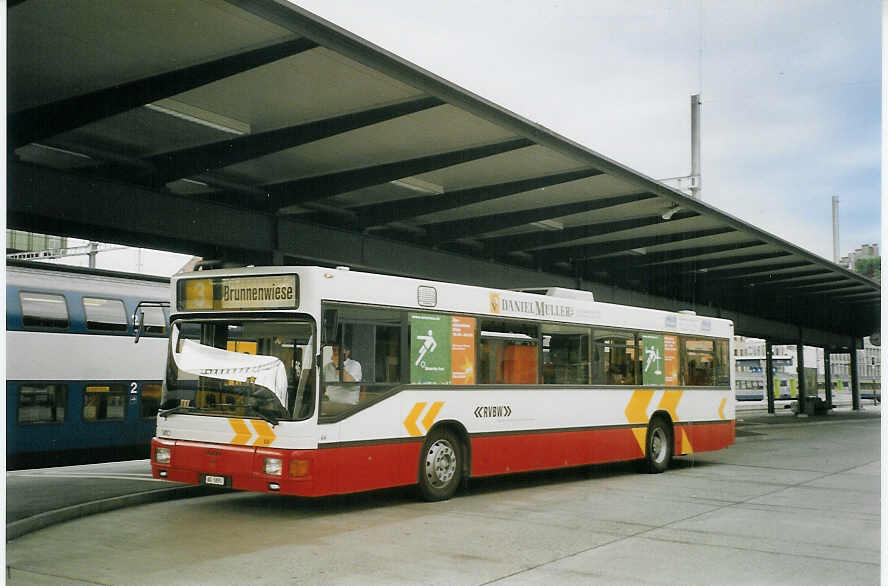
[(835, 210), (692, 183), (696, 182)]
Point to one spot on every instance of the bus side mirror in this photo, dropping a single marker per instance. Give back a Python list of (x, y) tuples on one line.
[(137, 325), (329, 326)]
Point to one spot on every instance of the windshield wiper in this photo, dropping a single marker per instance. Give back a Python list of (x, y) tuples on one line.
[(180, 409)]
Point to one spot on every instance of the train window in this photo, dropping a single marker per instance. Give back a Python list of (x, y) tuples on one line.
[(43, 310), (42, 404), (104, 402), (155, 321), (150, 403), (104, 314)]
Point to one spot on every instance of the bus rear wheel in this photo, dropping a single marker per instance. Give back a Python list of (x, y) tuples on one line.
[(658, 446), (440, 466)]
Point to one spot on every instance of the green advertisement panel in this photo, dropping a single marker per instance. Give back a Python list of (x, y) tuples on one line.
[(429, 348), (653, 360)]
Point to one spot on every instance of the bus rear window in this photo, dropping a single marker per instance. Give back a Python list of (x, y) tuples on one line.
[(44, 310)]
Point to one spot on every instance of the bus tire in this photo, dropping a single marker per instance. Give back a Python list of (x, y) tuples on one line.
[(658, 446), (440, 465)]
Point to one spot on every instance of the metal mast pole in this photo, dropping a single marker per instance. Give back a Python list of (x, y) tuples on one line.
[(835, 210), (696, 179)]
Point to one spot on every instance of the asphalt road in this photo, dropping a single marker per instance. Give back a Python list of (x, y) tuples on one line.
[(795, 501)]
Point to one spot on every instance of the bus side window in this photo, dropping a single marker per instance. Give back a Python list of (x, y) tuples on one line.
[(509, 353), (565, 355), (619, 357)]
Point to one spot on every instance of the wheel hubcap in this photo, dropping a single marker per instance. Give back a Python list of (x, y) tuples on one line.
[(440, 464), (658, 444)]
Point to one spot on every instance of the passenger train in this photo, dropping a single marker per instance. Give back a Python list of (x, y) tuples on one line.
[(78, 389)]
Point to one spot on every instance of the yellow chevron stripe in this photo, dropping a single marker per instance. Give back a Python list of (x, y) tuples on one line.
[(266, 435), (686, 447), (410, 422), (669, 403), (641, 437), (429, 418), (242, 433), (636, 410)]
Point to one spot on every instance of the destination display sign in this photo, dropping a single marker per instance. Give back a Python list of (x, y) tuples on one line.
[(239, 293)]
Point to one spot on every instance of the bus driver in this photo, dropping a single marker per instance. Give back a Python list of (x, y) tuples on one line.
[(351, 372)]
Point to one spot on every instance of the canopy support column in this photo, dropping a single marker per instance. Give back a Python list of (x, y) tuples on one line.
[(769, 375), (800, 370), (855, 378)]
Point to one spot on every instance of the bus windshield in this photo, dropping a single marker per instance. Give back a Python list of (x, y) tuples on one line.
[(245, 367)]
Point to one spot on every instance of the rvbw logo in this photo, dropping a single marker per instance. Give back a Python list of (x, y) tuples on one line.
[(485, 411)]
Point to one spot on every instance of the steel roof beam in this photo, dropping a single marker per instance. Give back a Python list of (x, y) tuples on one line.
[(821, 289), (405, 209), (688, 255), (453, 230), (601, 249), (802, 283), (530, 240), (308, 189), (39, 122), (762, 270), (646, 262), (781, 277), (189, 162)]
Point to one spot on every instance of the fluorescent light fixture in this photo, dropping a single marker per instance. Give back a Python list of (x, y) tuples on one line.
[(200, 116), (419, 185), (192, 181), (62, 151), (553, 225)]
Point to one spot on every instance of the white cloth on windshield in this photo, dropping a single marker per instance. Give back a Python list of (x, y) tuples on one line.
[(266, 371), (350, 394)]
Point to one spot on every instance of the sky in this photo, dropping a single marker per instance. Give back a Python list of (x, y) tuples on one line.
[(790, 89)]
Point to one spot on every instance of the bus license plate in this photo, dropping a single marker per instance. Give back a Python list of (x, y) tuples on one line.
[(217, 480)]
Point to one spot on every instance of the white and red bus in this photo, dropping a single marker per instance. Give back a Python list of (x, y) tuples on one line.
[(314, 381)]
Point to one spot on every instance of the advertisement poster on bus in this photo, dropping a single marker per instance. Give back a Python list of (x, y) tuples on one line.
[(462, 347), (429, 348), (670, 360), (442, 349), (652, 367)]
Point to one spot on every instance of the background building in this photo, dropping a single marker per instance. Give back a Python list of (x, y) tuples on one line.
[(749, 370), (866, 252)]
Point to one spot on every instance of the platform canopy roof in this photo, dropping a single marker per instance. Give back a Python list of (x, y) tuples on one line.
[(255, 131)]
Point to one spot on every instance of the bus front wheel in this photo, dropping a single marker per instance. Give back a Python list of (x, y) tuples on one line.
[(658, 447), (440, 465)]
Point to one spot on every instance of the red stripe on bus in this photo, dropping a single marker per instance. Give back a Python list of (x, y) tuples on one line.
[(357, 468)]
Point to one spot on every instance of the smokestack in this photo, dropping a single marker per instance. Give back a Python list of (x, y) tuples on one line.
[(696, 179), (835, 202)]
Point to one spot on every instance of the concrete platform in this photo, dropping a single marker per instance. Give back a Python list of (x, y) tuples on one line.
[(796, 500)]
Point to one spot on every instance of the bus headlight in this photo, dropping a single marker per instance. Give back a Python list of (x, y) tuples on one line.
[(162, 455), (273, 466)]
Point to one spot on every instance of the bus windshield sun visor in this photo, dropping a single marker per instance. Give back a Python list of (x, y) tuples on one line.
[(264, 371)]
